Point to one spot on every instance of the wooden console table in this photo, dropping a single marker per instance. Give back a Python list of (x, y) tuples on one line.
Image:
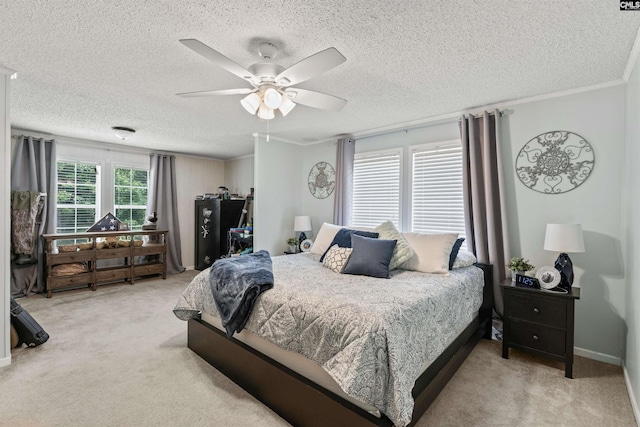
[(80, 260)]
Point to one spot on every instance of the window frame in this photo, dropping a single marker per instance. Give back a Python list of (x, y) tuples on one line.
[(131, 187), (98, 200), (399, 151), (423, 147)]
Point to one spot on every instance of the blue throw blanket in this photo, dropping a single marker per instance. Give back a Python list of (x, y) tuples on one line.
[(236, 283)]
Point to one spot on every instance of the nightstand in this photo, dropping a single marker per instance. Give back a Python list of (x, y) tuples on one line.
[(539, 322)]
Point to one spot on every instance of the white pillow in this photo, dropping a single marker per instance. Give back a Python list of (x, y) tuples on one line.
[(337, 258), (403, 251), (464, 259), (324, 238), (432, 252)]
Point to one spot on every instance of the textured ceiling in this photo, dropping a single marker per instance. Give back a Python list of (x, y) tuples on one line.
[(85, 66)]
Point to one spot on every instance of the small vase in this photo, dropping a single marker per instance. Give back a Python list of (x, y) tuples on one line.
[(514, 273), (292, 248)]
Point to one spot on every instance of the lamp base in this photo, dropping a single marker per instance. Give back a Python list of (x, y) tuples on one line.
[(301, 238), (565, 267)]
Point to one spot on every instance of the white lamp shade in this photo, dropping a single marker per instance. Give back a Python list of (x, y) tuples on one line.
[(302, 223), (272, 98), (265, 112), (564, 238), (251, 102), (286, 106)]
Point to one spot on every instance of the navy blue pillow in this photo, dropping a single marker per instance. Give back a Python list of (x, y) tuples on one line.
[(454, 251), (343, 238), (370, 257)]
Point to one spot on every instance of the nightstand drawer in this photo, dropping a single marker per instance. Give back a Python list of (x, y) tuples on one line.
[(538, 337), (539, 310)]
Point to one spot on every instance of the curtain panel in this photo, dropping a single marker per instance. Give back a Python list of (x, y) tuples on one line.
[(34, 180), (484, 195), (344, 181), (163, 199)]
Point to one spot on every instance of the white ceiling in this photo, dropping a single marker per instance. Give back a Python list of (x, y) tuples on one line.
[(85, 66)]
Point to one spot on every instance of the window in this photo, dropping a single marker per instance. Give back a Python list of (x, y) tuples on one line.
[(376, 188), (78, 196), (130, 196), (437, 204)]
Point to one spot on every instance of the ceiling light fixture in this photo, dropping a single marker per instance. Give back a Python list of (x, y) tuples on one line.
[(122, 132), (251, 102), (272, 98), (265, 112), (266, 101)]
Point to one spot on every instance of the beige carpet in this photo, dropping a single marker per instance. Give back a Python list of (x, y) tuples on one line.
[(118, 357)]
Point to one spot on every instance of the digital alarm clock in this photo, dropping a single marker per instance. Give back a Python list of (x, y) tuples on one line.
[(527, 282)]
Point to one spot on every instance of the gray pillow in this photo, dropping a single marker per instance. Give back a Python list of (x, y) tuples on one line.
[(370, 257)]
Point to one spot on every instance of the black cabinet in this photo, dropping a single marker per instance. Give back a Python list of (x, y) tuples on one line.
[(539, 322), (214, 218)]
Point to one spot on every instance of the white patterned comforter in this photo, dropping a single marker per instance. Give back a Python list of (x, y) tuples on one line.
[(371, 335)]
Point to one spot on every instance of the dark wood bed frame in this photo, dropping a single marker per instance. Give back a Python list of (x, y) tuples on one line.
[(300, 401)]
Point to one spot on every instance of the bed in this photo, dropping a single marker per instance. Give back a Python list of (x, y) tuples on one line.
[(377, 352)]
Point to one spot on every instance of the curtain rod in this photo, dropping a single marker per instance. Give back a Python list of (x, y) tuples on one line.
[(437, 122), (25, 136)]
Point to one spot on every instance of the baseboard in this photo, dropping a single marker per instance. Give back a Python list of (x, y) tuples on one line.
[(632, 396), (189, 267), (602, 357), (5, 361)]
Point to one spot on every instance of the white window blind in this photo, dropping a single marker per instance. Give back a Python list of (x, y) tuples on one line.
[(437, 201), (130, 196), (376, 188), (78, 196)]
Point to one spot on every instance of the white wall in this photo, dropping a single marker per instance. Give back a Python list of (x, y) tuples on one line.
[(238, 175), (599, 117), (632, 232), (5, 224), (194, 176), (278, 193)]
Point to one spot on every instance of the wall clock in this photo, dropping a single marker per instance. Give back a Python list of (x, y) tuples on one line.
[(555, 162), (322, 180)]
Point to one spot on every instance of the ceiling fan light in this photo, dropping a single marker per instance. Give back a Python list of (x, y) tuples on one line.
[(272, 98), (265, 112), (286, 106), (251, 102)]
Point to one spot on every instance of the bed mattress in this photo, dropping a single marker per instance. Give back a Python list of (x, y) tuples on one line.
[(373, 337)]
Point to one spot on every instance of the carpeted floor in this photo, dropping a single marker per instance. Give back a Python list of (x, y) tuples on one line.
[(118, 357)]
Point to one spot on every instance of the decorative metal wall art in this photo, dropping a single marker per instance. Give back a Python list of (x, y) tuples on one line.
[(322, 180), (555, 162)]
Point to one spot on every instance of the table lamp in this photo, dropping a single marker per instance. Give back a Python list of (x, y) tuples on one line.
[(302, 224), (564, 238)]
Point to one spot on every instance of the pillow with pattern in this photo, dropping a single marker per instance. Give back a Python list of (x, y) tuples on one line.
[(403, 251), (336, 258)]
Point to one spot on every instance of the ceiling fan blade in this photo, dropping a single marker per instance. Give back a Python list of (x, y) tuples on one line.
[(310, 67), (315, 99), (242, 91), (219, 59)]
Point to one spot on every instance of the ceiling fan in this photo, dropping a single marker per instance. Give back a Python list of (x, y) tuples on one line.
[(272, 84)]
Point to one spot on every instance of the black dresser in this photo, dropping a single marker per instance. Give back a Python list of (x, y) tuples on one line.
[(214, 218)]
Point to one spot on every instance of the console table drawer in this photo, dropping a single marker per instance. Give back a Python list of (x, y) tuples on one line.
[(539, 310), (537, 337)]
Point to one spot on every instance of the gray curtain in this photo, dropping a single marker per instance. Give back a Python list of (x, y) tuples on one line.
[(34, 170), (163, 199), (344, 181), (484, 199)]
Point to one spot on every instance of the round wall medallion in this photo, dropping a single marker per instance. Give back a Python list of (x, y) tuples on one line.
[(322, 180), (555, 162)]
